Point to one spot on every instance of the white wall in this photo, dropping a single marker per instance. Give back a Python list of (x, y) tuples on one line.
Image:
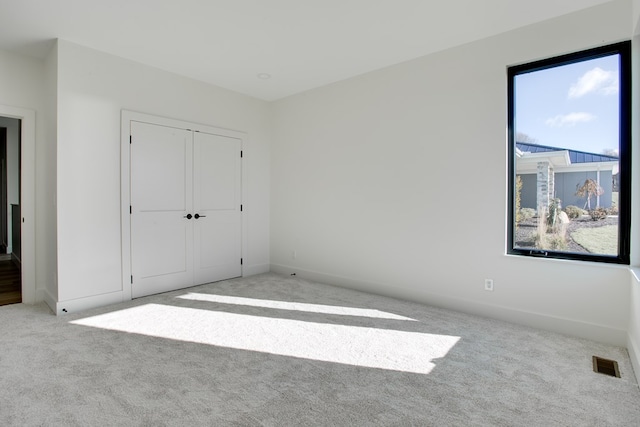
[(633, 339), (93, 88), (395, 182), (20, 81), (635, 17), (46, 160), (13, 171)]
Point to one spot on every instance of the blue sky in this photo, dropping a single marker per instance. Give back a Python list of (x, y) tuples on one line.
[(574, 106)]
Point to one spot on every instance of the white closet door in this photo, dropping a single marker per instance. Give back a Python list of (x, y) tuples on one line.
[(217, 199), (161, 197)]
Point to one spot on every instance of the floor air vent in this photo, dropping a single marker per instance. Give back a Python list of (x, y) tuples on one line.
[(606, 366)]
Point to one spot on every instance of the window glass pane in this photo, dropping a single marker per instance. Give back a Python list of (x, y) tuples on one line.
[(566, 146)]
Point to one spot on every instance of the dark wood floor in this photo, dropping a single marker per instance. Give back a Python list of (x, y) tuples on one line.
[(10, 287)]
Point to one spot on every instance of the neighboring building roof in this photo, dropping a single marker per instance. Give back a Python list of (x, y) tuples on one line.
[(575, 155)]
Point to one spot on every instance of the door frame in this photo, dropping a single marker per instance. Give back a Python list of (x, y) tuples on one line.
[(127, 117), (27, 197), (4, 199)]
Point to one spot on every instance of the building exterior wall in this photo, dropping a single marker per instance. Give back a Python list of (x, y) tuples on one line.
[(568, 183), (528, 192), (565, 189)]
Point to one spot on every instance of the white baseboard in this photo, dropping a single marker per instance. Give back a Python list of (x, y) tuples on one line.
[(80, 304), (45, 295), (252, 270), (634, 355), (599, 333), (40, 296)]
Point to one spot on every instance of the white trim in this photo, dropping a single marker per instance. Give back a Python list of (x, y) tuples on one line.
[(633, 346), (244, 183), (81, 304), (574, 167), (568, 262), (127, 117), (46, 296), (125, 197), (252, 270), (598, 182), (576, 328), (556, 158), (27, 198), (634, 355)]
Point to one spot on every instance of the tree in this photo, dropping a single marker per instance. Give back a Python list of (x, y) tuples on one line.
[(589, 189), (524, 138), (613, 152)]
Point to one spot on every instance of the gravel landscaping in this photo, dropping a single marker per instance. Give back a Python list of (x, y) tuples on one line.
[(525, 234)]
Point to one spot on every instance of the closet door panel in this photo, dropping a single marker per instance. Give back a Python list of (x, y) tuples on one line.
[(161, 198), (217, 198)]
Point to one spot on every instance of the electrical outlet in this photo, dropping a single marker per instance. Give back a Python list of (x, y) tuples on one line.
[(488, 284)]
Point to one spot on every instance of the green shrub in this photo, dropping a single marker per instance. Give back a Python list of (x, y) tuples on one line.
[(613, 210), (527, 213), (573, 212), (598, 214)]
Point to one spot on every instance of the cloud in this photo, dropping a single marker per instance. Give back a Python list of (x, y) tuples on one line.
[(570, 119), (596, 80)]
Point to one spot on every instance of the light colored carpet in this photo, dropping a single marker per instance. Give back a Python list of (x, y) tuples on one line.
[(272, 350)]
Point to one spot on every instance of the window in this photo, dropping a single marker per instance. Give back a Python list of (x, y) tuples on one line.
[(569, 156)]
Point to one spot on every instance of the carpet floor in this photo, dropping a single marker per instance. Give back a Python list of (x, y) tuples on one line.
[(270, 350)]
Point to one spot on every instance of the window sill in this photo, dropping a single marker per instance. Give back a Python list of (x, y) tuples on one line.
[(573, 262)]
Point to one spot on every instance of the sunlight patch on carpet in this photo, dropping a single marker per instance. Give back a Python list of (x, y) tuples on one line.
[(351, 345), (294, 306)]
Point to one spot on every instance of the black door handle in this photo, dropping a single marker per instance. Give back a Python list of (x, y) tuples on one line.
[(189, 216), (200, 216)]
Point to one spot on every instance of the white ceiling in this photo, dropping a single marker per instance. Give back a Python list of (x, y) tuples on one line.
[(302, 44)]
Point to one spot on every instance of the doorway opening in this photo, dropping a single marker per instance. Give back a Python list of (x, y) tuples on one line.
[(10, 215)]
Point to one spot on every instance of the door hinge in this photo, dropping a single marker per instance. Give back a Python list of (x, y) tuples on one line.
[(240, 208), (130, 139), (130, 210), (240, 261), (240, 153), (132, 279)]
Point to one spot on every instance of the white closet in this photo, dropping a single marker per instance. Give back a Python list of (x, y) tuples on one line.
[(185, 207)]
